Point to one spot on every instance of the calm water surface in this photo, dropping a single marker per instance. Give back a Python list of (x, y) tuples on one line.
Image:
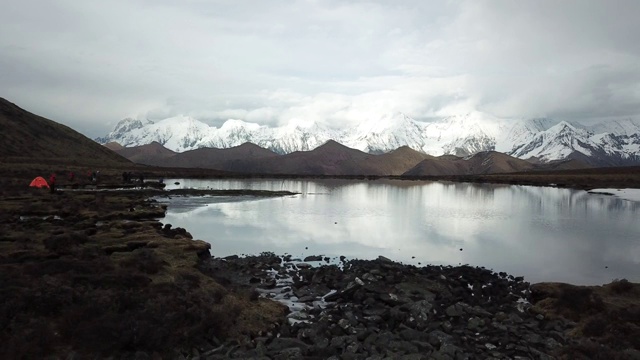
[(545, 234)]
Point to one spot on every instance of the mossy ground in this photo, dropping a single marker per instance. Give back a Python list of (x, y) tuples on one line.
[(607, 317), (94, 273)]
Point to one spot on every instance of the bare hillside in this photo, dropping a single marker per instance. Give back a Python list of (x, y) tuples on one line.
[(29, 137)]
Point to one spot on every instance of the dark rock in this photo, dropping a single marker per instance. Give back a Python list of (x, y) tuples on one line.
[(385, 260), (438, 338), (447, 351), (313, 258), (268, 284), (289, 354), (409, 334), (475, 323), (457, 309), (382, 309), (281, 343), (419, 312)]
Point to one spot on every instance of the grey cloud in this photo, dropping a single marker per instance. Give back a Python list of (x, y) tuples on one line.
[(88, 64)]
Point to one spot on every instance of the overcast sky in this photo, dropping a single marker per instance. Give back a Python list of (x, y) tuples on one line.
[(88, 64)]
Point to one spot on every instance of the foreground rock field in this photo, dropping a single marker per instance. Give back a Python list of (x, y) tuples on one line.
[(385, 310)]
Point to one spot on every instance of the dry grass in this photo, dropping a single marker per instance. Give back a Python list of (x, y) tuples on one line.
[(63, 288), (607, 317)]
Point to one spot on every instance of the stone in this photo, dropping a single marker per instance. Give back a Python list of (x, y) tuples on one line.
[(475, 323), (289, 354), (515, 319), (385, 259), (551, 344), (409, 334), (540, 355), (344, 324), (455, 310), (281, 343), (414, 357), (369, 277), (446, 326), (438, 338), (532, 338), (403, 347)]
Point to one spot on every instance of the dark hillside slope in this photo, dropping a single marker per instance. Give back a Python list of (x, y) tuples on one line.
[(238, 158), (331, 158), (26, 137), (488, 162), (395, 162), (150, 154)]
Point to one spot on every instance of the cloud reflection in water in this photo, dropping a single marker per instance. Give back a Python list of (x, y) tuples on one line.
[(545, 234)]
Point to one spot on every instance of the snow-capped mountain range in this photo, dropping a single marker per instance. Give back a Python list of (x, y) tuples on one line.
[(604, 144)]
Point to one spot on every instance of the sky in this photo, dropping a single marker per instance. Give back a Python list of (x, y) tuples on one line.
[(88, 64)]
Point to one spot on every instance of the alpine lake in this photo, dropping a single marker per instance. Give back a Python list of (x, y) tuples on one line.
[(541, 233)]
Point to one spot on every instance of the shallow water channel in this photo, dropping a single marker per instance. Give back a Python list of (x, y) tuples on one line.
[(542, 233)]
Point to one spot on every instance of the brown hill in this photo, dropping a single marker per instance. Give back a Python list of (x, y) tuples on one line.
[(239, 158), (493, 162), (331, 158), (26, 137), (114, 146), (395, 162), (488, 162), (149, 154)]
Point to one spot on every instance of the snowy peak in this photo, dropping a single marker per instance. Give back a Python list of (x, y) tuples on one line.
[(463, 135), (232, 125), (122, 128), (385, 134), (557, 142), (129, 124)]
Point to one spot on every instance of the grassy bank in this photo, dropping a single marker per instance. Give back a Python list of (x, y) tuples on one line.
[(94, 273)]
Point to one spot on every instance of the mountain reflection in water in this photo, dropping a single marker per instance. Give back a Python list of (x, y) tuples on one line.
[(545, 234)]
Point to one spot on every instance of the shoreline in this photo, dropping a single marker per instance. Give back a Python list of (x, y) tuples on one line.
[(106, 247), (383, 309)]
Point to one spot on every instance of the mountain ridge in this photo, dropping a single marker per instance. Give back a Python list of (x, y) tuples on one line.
[(335, 159), (608, 144)]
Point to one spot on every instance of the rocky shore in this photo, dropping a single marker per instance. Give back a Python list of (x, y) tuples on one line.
[(94, 274), (381, 309)]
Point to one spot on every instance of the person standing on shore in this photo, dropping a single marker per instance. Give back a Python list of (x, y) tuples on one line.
[(52, 182)]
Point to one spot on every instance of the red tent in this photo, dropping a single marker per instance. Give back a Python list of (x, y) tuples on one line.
[(39, 182)]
